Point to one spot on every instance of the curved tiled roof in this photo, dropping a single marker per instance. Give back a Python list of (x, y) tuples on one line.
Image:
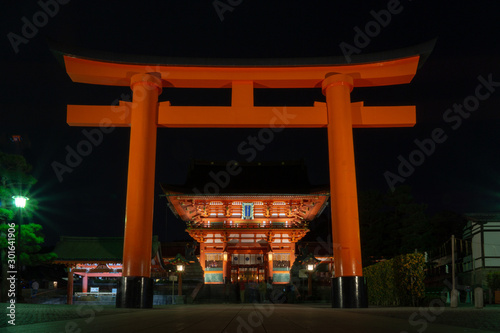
[(283, 177), (94, 248)]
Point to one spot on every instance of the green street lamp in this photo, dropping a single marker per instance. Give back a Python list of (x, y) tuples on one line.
[(20, 203)]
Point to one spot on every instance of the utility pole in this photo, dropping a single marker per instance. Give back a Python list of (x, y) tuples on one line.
[(454, 292), (453, 262)]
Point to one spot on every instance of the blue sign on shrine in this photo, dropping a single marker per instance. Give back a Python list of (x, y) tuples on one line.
[(247, 211)]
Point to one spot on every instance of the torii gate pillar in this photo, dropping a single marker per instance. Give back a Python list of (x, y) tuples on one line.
[(348, 286), (135, 288)]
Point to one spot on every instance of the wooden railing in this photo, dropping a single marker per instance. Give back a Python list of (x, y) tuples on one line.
[(239, 225), (96, 294)]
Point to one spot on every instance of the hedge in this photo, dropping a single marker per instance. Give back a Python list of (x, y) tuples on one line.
[(396, 282)]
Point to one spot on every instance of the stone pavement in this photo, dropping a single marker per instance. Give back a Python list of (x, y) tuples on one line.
[(250, 318)]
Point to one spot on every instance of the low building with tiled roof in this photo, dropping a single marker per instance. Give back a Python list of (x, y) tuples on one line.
[(91, 257)]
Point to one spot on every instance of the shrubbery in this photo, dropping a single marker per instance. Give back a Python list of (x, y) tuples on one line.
[(396, 282)]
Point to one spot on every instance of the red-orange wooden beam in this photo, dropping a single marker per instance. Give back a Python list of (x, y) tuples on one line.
[(99, 115), (241, 116), (398, 71)]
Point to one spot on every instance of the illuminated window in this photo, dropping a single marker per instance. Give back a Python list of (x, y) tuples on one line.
[(214, 260), (281, 260)]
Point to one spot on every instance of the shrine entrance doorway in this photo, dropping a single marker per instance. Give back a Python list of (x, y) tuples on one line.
[(248, 267), (250, 273)]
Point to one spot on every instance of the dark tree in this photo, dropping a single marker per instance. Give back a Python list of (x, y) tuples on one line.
[(392, 223)]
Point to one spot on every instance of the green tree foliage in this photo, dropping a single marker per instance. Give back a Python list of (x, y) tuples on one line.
[(444, 224), (392, 223), (31, 244)]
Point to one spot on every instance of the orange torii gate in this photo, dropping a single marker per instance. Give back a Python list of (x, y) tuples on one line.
[(144, 114)]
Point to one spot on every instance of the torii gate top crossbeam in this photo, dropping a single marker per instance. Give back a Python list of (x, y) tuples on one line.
[(398, 71), (242, 78)]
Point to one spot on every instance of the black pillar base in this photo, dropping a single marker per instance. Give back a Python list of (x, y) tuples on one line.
[(349, 292), (135, 292)]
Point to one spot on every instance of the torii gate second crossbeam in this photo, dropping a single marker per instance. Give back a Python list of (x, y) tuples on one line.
[(144, 114)]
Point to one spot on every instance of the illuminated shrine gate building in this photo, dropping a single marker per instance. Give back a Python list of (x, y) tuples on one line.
[(247, 230)]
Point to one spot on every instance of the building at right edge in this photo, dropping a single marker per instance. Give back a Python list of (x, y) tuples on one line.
[(476, 256), (483, 234)]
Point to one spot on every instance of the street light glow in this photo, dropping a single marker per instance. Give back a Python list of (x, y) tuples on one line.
[(310, 267), (20, 201), (180, 268)]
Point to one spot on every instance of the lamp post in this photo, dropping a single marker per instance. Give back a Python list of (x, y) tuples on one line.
[(310, 269), (180, 264), (180, 270), (20, 203), (310, 264)]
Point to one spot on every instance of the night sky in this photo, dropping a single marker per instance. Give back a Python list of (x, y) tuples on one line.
[(460, 173)]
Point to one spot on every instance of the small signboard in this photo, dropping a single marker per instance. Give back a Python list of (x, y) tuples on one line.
[(172, 278), (94, 289), (302, 273), (247, 210)]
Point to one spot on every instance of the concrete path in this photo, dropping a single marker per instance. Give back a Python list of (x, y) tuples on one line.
[(253, 318)]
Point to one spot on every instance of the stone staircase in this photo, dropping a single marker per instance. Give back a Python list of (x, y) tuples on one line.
[(193, 272), (216, 294)]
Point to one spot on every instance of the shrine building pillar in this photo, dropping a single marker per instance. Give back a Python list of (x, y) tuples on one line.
[(135, 289), (348, 286), (226, 274), (69, 296), (270, 266), (224, 268), (85, 283), (202, 256)]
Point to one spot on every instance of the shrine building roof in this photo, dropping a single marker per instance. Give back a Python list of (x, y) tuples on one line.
[(214, 193), (94, 249), (211, 178)]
